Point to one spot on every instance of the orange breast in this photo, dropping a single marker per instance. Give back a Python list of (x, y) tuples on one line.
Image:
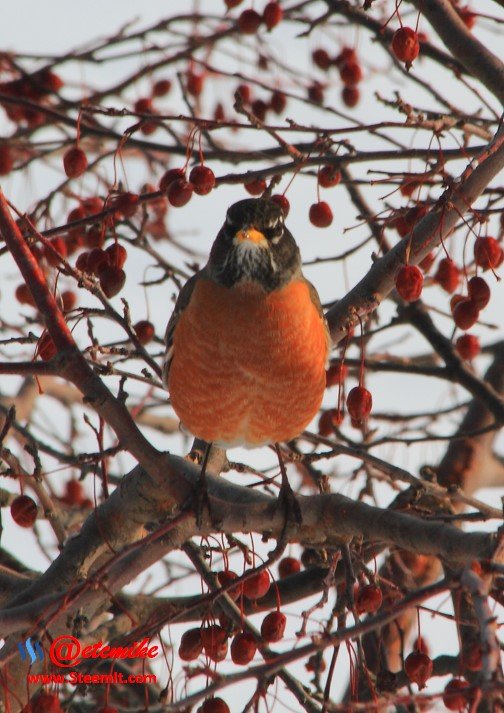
[(248, 368)]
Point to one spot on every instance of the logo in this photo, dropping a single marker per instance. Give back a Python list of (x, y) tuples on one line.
[(35, 650), (66, 651)]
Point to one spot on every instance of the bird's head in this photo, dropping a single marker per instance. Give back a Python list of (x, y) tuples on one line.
[(254, 246)]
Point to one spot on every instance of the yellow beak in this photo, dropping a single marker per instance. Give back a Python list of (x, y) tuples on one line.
[(255, 236)]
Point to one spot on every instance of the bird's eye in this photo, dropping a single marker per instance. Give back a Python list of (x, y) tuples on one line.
[(274, 228)]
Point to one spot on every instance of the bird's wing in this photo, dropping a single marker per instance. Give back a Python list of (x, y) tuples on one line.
[(183, 300), (314, 295)]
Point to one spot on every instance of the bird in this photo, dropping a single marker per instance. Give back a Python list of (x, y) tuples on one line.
[(247, 343)]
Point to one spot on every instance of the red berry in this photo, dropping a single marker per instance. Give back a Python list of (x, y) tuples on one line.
[(24, 511), (219, 114), (24, 295), (191, 645), (46, 703), (288, 566), (202, 179), (336, 374), (272, 15), (214, 705), (455, 695), (488, 253), (161, 87), (278, 102), (320, 214), (465, 314), (125, 203), (328, 176), (73, 494), (180, 192), (88, 207), (6, 160), (256, 187), (112, 280), (195, 83), (257, 586), (75, 162), (409, 282), (214, 640), (46, 348), (259, 109), (48, 81), (245, 93), (467, 16), (169, 177), (273, 627), (144, 106), (468, 346), (447, 275), (359, 403), (351, 74), (282, 201), (405, 44), (117, 255), (321, 58), (326, 423), (316, 93), (409, 186), (421, 645), (418, 668), (479, 291), (58, 245), (350, 96), (97, 260), (249, 22), (144, 330), (346, 55), (69, 300), (368, 599), (225, 578), (243, 648), (427, 262)]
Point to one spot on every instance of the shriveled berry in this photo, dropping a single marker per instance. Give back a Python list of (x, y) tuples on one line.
[(409, 282), (180, 192), (455, 695), (214, 705), (249, 22), (74, 162), (488, 253), (321, 58), (405, 44), (288, 566), (447, 275), (95, 236), (272, 15), (479, 291), (191, 645), (117, 254), (278, 102), (336, 374), (213, 636), (316, 93), (368, 599), (359, 403), (329, 176), (256, 586), (468, 346), (24, 511), (465, 314), (244, 92), (273, 626), (161, 87), (243, 648), (282, 201), (169, 177), (225, 577), (350, 96), (46, 348), (256, 187), (259, 109), (97, 260), (145, 331), (73, 493), (418, 668), (112, 280), (326, 423), (427, 262), (125, 203), (351, 74), (24, 295), (203, 179), (194, 83), (6, 160), (320, 214)]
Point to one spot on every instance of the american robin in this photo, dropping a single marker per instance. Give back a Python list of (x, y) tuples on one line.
[(247, 343)]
